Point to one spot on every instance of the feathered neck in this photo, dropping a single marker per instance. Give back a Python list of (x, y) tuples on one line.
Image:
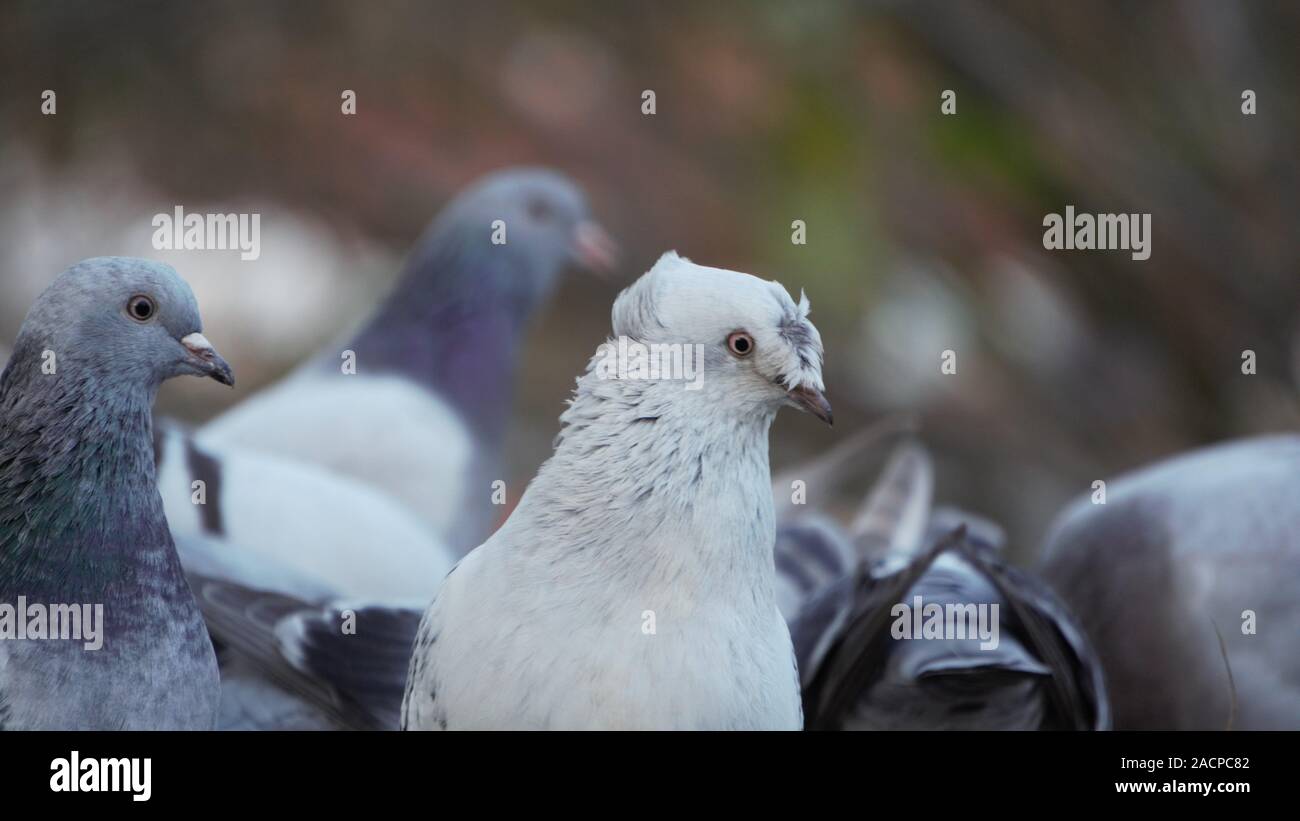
[(656, 486), (80, 514), (452, 325)]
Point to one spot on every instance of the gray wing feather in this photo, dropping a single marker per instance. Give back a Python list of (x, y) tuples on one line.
[(892, 521), (356, 675)]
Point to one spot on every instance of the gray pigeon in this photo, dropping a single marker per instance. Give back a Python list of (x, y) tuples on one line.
[(1187, 580), (83, 538), (1037, 673), (424, 415)]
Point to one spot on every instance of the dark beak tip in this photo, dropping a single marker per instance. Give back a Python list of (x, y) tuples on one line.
[(204, 360), (224, 375), (814, 402), (221, 371)]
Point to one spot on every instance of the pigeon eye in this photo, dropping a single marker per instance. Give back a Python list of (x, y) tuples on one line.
[(740, 343), (140, 308), (540, 210)]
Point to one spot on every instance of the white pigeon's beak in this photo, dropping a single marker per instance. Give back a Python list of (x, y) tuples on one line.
[(594, 249), (205, 358), (813, 401)]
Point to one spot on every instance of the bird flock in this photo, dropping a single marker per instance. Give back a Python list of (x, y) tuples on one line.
[(328, 553)]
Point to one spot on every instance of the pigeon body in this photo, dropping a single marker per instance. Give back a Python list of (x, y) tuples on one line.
[(424, 413), (1178, 556), (633, 586), (279, 527), (280, 524), (812, 553), (250, 702), (81, 521), (858, 675)]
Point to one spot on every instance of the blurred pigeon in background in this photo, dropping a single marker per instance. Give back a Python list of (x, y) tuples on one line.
[(281, 524), (633, 585), (81, 521), (857, 674), (1187, 581), (424, 414), (334, 484), (279, 529)]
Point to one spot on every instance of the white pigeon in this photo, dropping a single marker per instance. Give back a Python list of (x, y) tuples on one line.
[(633, 586)]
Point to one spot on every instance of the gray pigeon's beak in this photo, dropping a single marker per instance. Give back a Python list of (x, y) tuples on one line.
[(594, 249), (205, 357), (811, 400)]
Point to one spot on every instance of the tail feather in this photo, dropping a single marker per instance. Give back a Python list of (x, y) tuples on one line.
[(896, 514), (822, 474)]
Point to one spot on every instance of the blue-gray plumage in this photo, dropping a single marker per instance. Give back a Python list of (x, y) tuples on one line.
[(456, 318), (812, 552), (81, 520), (1187, 580)]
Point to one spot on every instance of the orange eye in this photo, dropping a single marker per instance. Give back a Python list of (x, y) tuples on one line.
[(740, 343), (140, 308)]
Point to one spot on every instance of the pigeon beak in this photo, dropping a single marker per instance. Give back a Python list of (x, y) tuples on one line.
[(811, 400), (594, 249), (205, 357)]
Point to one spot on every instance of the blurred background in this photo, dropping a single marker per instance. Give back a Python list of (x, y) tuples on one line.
[(924, 231)]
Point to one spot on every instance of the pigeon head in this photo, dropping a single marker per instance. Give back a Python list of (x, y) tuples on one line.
[(537, 220), (485, 267), (757, 342), (130, 320)]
